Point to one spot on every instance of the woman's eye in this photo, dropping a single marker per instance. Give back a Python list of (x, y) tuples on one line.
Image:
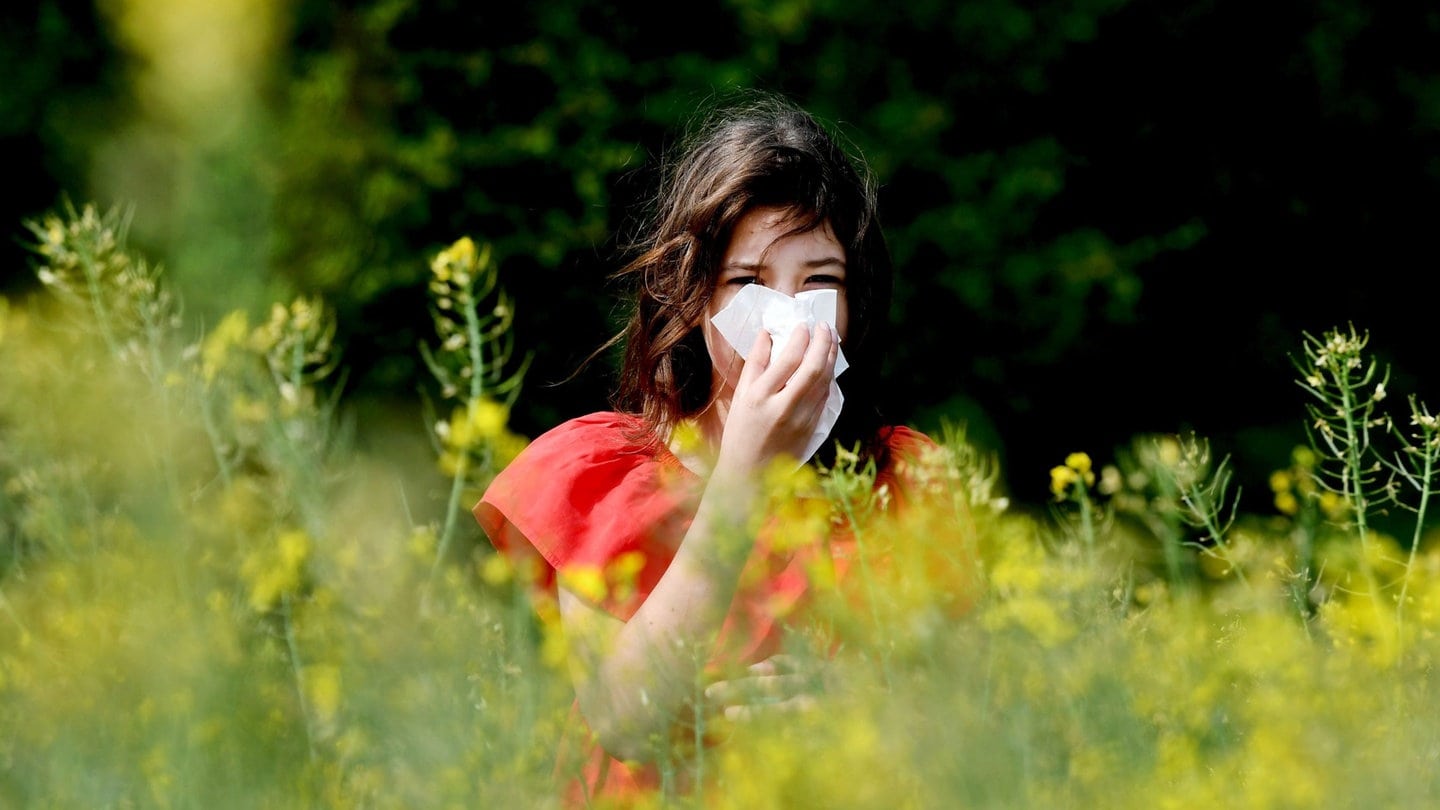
[(743, 280), (826, 281)]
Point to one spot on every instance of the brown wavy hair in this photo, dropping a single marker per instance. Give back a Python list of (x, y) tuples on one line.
[(753, 149)]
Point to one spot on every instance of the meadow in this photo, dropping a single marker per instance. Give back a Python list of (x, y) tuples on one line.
[(214, 594)]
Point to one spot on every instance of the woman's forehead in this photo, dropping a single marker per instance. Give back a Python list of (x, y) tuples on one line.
[(759, 230)]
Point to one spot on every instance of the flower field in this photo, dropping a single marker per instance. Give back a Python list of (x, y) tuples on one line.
[(219, 588)]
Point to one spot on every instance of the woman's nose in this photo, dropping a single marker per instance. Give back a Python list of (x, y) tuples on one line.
[(790, 288)]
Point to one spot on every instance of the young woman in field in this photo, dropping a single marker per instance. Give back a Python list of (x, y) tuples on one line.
[(646, 522)]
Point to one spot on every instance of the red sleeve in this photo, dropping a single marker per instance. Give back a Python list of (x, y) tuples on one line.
[(907, 451), (604, 511)]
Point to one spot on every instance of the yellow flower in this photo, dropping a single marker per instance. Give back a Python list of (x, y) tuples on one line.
[(1036, 615), (1280, 481), (1286, 503), (422, 542), (460, 255), (554, 648), (585, 580), (1333, 505), (278, 573), (1061, 479), (496, 570), (481, 420), (1168, 450), (322, 687), (488, 417), (800, 521), (267, 336), (686, 437), (229, 333), (506, 447), (623, 573), (1077, 470), (1303, 456)]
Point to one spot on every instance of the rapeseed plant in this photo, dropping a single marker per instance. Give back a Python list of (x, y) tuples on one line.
[(1414, 466), (1349, 388), (474, 369), (1335, 371), (1072, 482)]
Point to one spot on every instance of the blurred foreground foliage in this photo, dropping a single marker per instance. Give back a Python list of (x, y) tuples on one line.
[(209, 594)]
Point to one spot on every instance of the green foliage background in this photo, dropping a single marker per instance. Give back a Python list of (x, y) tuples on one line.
[(1108, 218)]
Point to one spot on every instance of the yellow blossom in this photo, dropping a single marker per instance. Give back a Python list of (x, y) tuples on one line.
[(496, 570), (249, 411), (322, 688), (461, 253), (1280, 481), (686, 438), (480, 420), (622, 574), (587, 581), (1286, 503), (1077, 470), (422, 542), (1333, 504), (278, 571), (1061, 479), (216, 348), (554, 647)]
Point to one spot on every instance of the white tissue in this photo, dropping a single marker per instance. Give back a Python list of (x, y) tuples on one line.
[(755, 308)]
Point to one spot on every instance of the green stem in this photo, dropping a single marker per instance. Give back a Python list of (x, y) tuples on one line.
[(1354, 489), (1208, 521), (292, 648), (462, 463), (1429, 470), (457, 488)]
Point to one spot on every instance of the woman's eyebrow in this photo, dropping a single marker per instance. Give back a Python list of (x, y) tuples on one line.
[(748, 266)]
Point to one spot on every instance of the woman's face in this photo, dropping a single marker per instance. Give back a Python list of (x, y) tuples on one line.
[(760, 253)]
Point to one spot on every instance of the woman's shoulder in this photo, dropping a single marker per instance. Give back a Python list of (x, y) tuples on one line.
[(907, 452), (599, 424), (583, 451), (597, 434), (903, 442), (589, 492)]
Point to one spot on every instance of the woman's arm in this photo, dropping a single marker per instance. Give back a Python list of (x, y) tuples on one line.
[(633, 678)]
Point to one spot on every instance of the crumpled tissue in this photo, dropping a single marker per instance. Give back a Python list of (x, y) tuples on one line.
[(755, 308)]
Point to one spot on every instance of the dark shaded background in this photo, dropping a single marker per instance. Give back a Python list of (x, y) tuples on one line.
[(1109, 218)]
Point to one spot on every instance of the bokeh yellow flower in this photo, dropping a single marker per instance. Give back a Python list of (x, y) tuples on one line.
[(277, 571), (1061, 479), (221, 341)]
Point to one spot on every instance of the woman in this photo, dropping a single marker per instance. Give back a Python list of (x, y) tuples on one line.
[(649, 513)]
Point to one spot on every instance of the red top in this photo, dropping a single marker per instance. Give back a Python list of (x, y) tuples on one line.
[(590, 499)]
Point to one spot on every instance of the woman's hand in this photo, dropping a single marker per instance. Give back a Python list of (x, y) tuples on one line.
[(779, 683), (778, 403)]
